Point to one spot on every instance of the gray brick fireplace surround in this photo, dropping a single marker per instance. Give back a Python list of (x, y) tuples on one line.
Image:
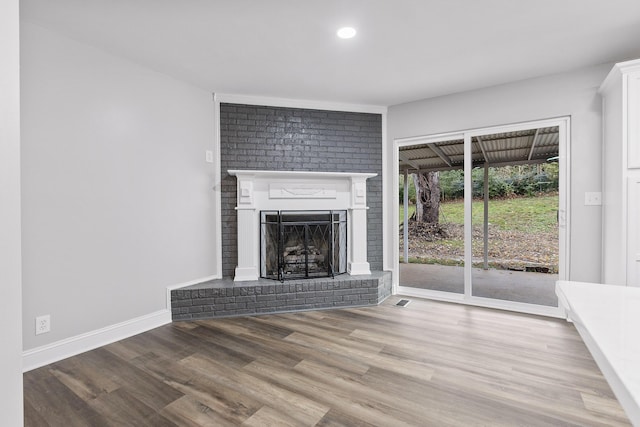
[(291, 139)]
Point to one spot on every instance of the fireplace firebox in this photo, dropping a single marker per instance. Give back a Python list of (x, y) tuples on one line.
[(302, 244)]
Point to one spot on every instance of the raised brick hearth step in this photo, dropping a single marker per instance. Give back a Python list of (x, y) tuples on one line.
[(224, 297)]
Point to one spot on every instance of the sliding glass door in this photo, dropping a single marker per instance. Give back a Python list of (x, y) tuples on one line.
[(432, 215), (482, 215), (515, 246)]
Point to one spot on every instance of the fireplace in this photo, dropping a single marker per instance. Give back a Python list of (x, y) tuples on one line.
[(302, 244), (280, 202)]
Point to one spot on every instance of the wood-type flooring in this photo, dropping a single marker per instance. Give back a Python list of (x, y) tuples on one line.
[(427, 364)]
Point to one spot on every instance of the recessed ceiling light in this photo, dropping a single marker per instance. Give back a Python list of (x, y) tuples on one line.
[(346, 32)]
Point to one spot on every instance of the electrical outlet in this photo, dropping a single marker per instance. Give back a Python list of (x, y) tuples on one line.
[(209, 156), (593, 199), (43, 324)]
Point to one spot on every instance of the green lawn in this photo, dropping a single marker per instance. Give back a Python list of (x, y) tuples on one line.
[(412, 209), (533, 214)]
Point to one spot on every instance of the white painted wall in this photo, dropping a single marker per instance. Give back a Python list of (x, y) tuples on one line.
[(117, 200), (10, 269), (570, 94)]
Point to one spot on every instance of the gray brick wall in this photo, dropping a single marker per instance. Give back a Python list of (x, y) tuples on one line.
[(275, 138)]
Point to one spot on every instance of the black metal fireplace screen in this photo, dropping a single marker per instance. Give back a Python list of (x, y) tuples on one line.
[(302, 244)]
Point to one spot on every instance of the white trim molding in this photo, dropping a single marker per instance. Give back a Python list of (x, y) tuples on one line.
[(50, 353), (518, 307), (299, 103), (217, 191)]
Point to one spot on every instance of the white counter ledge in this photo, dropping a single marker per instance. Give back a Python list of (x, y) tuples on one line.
[(608, 320)]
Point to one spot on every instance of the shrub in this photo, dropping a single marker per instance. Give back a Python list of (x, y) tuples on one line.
[(506, 181)]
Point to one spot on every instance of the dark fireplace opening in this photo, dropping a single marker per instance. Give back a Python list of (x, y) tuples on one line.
[(302, 244)]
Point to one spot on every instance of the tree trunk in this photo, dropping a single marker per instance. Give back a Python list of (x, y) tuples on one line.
[(427, 197)]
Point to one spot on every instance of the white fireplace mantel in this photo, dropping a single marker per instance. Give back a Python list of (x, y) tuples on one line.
[(259, 190)]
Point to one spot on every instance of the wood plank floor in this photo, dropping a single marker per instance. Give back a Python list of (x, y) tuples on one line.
[(428, 364)]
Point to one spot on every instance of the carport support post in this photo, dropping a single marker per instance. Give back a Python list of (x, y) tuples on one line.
[(405, 226), (486, 216)]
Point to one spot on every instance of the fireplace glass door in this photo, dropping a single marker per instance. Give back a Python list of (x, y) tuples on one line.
[(302, 244)]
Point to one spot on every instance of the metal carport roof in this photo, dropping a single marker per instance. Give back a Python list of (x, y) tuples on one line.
[(501, 149)]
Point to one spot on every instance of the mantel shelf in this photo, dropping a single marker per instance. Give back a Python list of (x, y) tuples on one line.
[(299, 174)]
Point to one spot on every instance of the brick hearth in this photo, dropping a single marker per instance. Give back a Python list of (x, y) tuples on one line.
[(224, 297)]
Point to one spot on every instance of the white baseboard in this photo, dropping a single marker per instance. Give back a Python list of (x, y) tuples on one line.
[(50, 353)]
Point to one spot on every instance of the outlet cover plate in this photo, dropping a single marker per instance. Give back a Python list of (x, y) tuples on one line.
[(43, 324)]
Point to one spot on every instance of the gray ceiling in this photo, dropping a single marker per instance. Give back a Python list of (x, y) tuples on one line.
[(501, 149), (405, 50)]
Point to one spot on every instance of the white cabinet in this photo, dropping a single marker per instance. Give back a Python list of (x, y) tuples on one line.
[(633, 118), (621, 175), (633, 235)]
